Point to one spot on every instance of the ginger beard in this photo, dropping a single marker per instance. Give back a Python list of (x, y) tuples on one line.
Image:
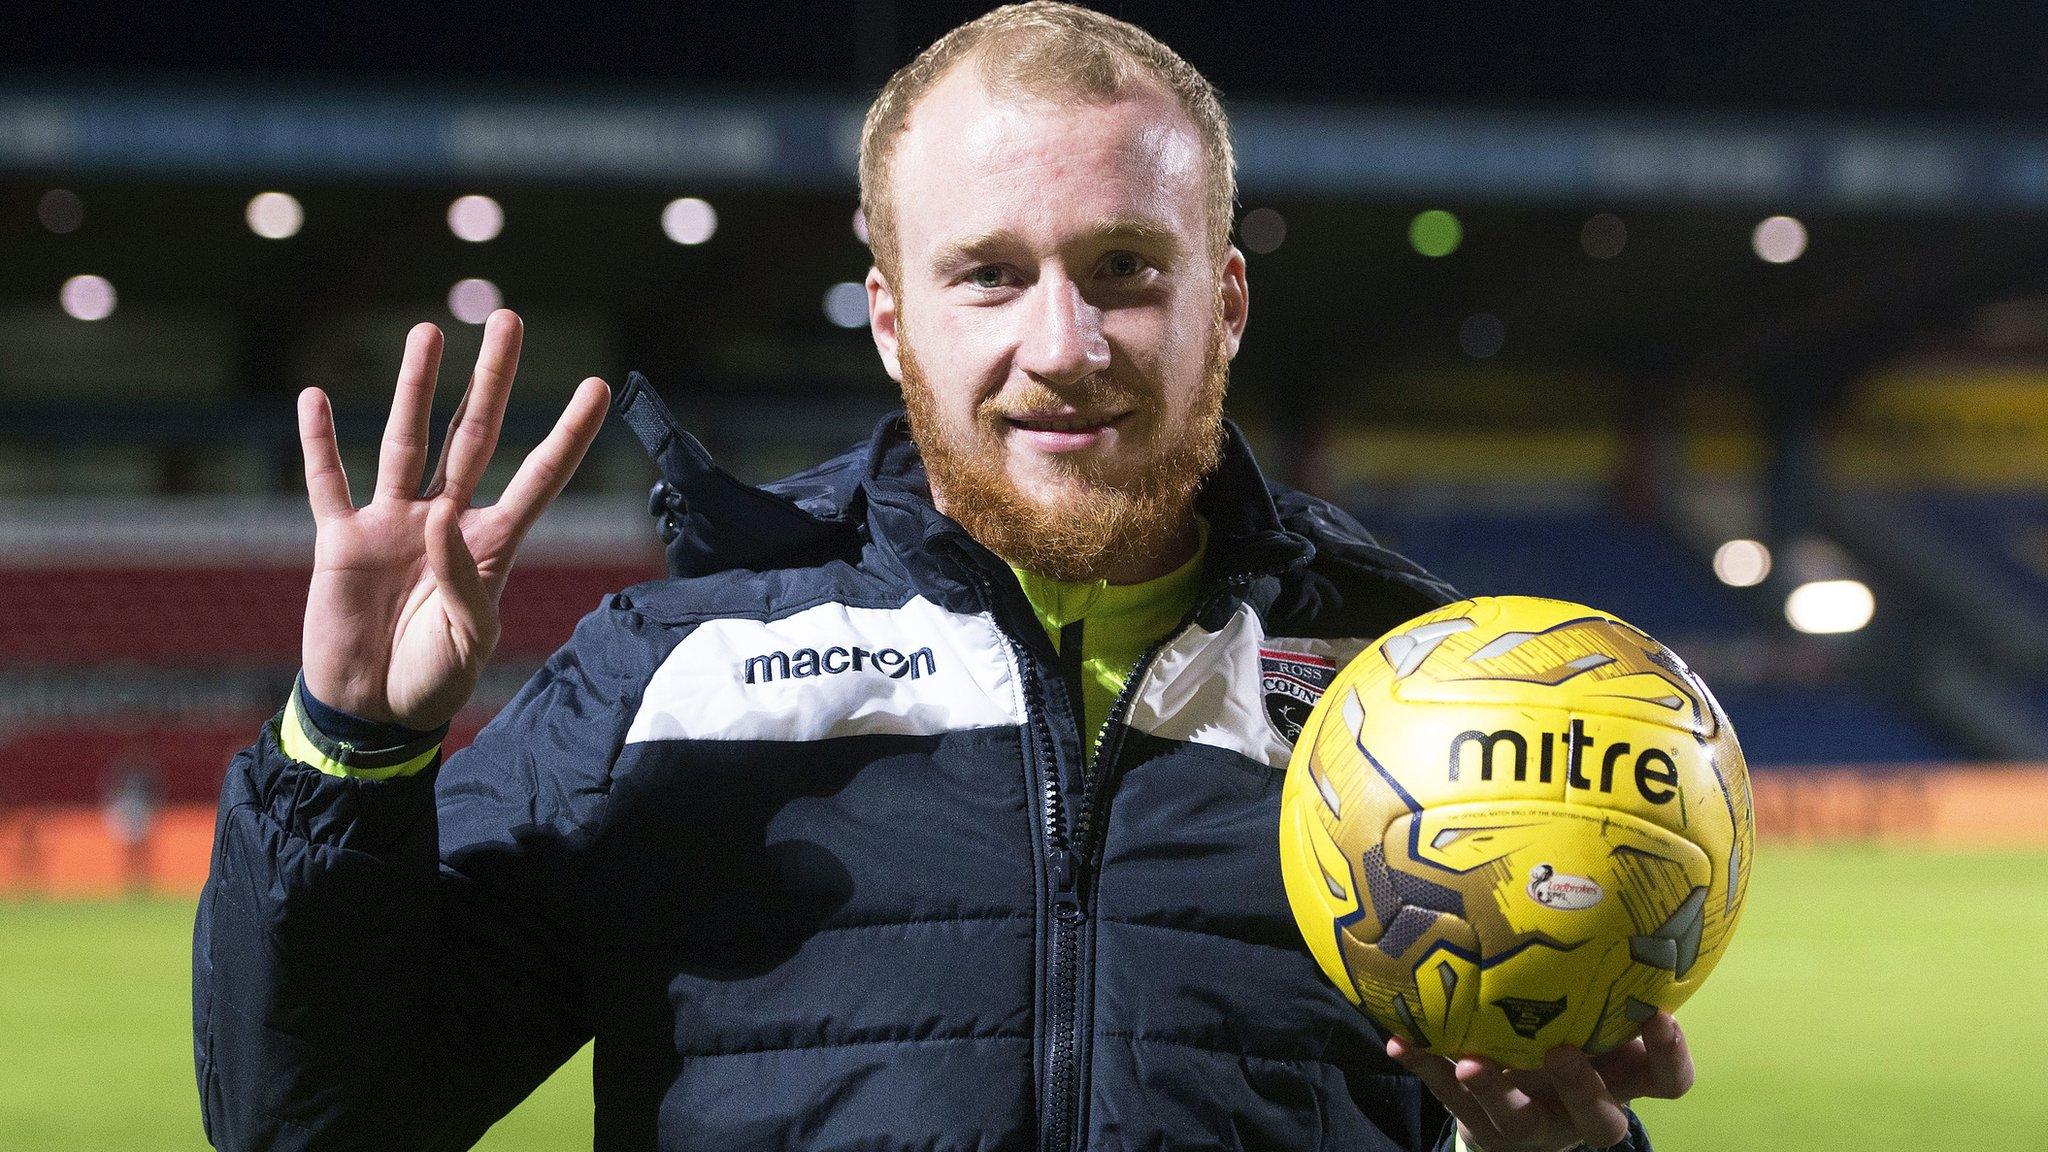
[(1089, 524)]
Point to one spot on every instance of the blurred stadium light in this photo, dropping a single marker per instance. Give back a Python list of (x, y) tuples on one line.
[(1742, 563), (475, 218), (472, 300), (1779, 239), (689, 220), (87, 297), (275, 215)]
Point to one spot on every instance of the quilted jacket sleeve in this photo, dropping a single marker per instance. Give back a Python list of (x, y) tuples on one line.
[(394, 963)]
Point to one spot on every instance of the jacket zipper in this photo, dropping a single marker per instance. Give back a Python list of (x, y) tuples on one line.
[(1063, 886), (1075, 856), (1109, 747), (1068, 855)]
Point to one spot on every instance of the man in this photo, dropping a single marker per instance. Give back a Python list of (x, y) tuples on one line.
[(934, 804)]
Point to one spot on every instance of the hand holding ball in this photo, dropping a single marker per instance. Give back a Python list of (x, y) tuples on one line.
[(1515, 823)]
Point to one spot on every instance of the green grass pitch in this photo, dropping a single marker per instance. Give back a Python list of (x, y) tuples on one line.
[(1872, 997)]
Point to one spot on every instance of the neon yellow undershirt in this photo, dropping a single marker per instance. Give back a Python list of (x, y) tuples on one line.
[(1118, 623)]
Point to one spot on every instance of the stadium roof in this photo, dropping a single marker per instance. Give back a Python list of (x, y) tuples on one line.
[(1745, 56)]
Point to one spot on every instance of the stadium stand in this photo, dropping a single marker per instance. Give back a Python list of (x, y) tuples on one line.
[(1784, 714), (152, 639), (1633, 570), (1998, 538), (1977, 560)]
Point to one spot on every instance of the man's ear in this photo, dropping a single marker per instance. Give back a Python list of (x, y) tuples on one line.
[(1236, 300), (882, 322)]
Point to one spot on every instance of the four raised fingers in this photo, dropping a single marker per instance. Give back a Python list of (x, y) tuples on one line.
[(472, 433), (403, 457), (326, 483)]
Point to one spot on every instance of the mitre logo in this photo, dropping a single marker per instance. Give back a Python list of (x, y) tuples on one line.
[(805, 663), (1292, 682)]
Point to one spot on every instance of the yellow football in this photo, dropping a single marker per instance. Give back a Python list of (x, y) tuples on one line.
[(1515, 823)]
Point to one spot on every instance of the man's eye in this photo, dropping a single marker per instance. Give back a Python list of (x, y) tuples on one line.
[(989, 276), (1123, 264)]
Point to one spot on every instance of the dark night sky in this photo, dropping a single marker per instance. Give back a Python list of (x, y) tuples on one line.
[(1925, 58)]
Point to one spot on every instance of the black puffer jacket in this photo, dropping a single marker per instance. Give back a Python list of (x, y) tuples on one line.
[(803, 837)]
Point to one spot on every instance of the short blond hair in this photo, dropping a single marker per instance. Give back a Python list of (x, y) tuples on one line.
[(1048, 50)]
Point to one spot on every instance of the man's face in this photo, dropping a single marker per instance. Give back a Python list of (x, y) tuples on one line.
[(1059, 326)]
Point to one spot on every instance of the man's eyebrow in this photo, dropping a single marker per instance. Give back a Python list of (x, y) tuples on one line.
[(965, 248), (1142, 231)]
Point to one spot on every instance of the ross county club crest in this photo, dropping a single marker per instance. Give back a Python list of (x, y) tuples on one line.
[(1292, 682)]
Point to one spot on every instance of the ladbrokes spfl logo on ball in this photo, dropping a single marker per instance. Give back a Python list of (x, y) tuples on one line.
[(1552, 889)]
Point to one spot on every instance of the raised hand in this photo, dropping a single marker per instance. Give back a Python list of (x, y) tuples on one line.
[(1572, 1100), (403, 608)]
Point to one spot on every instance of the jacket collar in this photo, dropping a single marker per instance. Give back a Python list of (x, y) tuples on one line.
[(876, 498)]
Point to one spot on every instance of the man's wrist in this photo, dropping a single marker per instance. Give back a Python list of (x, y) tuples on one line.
[(342, 744)]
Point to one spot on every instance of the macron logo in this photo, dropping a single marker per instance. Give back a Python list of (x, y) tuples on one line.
[(807, 662)]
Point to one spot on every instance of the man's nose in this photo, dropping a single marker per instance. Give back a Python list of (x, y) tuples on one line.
[(1062, 341)]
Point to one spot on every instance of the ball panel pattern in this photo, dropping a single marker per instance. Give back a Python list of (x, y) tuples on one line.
[(1514, 823)]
